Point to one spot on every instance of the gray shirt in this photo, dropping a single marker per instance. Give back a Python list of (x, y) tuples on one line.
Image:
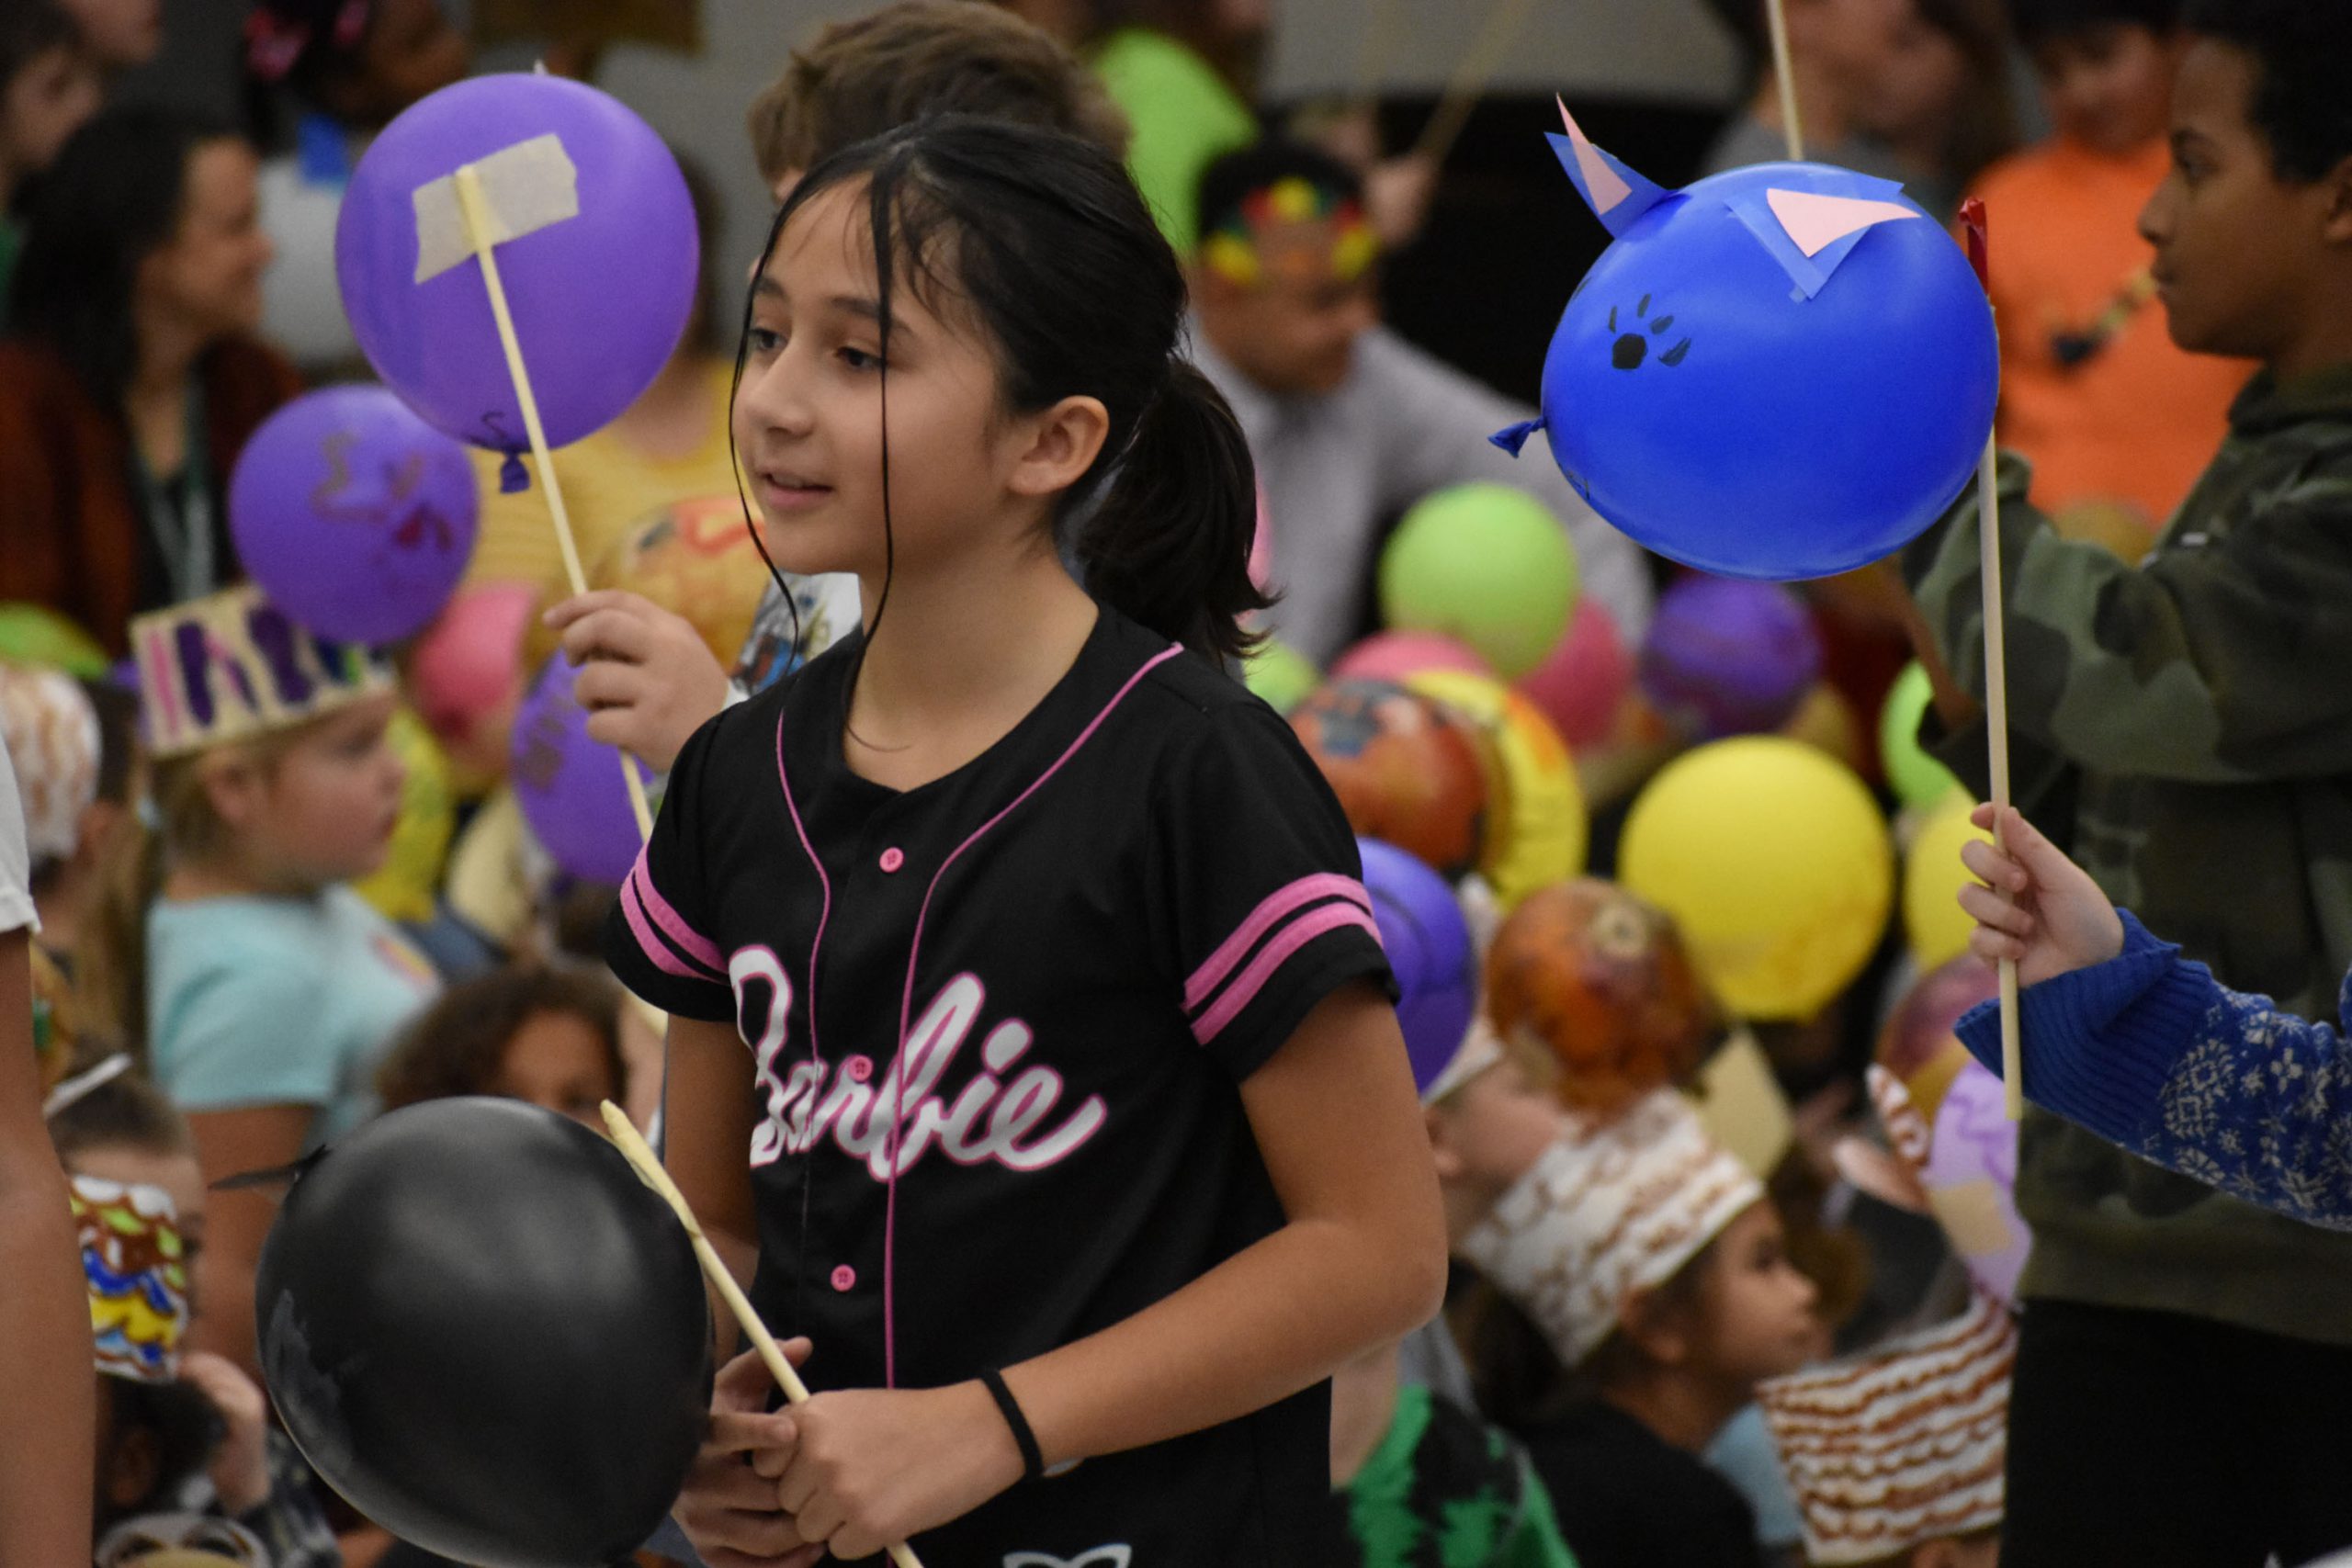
[(1337, 468)]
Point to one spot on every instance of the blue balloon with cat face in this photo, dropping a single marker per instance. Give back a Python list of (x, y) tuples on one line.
[(1787, 371)]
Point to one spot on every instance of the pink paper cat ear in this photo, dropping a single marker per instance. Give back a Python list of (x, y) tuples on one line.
[(1616, 195), (1811, 231)]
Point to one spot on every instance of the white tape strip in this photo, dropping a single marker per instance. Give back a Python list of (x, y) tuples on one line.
[(528, 186)]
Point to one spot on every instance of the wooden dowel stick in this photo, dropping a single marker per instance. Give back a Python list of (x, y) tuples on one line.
[(1479, 63), (1777, 15), (641, 1159), (476, 210), (1996, 720)]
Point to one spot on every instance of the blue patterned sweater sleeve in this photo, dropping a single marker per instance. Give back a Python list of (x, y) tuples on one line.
[(2153, 1054)]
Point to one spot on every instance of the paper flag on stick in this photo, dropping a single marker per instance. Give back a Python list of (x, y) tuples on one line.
[(528, 186), (1812, 231), (1616, 195)]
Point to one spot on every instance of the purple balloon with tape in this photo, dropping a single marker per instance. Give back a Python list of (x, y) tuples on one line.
[(1725, 658), (356, 517), (600, 270), (1430, 951), (569, 786)]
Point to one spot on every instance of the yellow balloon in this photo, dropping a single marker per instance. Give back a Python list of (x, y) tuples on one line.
[(1774, 858), (1933, 920), (1535, 823), (404, 886)]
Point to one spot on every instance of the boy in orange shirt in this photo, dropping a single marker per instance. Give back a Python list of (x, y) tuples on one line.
[(2117, 421)]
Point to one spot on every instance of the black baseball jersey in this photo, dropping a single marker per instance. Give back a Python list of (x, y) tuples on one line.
[(1051, 968)]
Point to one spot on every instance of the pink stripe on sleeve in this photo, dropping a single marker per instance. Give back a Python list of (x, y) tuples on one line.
[(691, 942), (1278, 907), (1297, 934), (651, 943)]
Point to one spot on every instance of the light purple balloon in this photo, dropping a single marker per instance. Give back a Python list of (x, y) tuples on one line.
[(599, 299), (1729, 657), (354, 516), (1972, 1175), (568, 787)]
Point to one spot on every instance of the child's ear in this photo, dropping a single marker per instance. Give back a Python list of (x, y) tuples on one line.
[(2338, 229), (1062, 444), (131, 1468), (1445, 1152), (1658, 1334)]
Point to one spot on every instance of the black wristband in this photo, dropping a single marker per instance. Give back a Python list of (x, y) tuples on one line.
[(1032, 1460)]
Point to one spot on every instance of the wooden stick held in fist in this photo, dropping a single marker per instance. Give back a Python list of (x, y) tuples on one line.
[(641, 1159)]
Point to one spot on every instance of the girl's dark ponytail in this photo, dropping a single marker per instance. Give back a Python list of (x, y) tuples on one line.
[(1169, 545)]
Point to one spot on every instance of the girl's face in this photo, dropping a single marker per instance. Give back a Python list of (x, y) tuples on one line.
[(209, 274), (808, 413), (557, 1061), (1758, 1319), (43, 105), (325, 811)]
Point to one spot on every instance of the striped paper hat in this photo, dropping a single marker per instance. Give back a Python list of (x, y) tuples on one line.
[(1617, 1206), (1890, 1450), (231, 666), (137, 1271)]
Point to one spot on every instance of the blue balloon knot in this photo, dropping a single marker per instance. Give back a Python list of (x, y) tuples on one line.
[(1514, 440), (514, 478)]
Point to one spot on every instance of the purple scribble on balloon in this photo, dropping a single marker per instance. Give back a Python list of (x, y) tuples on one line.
[(1972, 1174), (355, 516)]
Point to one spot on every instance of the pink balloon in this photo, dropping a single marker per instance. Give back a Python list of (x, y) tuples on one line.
[(1391, 656), (1583, 684), (469, 662)]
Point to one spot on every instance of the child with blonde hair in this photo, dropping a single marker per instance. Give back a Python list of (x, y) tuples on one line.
[(258, 988)]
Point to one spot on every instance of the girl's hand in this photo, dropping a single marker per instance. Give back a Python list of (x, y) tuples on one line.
[(646, 677), (239, 1467), (2036, 907), (873, 1468), (728, 1507)]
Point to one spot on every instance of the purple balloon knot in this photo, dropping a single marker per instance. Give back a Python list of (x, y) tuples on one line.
[(1514, 440), (514, 478)]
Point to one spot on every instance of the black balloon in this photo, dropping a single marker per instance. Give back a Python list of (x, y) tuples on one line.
[(486, 1333)]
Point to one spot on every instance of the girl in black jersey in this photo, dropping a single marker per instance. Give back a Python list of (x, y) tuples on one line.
[(1074, 1133)]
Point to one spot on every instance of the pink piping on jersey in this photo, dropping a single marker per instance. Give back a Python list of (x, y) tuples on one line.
[(650, 943), (824, 889), (1297, 934), (691, 942), (907, 1008), (1279, 906)]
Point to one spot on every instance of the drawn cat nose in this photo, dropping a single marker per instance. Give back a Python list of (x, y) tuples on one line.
[(1631, 351)]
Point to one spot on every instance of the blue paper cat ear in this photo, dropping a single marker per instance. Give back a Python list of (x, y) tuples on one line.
[(1616, 195)]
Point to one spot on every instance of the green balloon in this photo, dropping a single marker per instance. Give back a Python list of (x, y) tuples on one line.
[(1486, 564), (34, 634), (1281, 675), (1918, 779)]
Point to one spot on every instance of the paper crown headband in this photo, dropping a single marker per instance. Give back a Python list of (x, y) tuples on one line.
[(231, 666), (137, 1271), (1266, 236), (1615, 1207), (1901, 1446)]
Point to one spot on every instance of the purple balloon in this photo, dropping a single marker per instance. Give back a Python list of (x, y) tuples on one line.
[(1429, 946), (568, 787), (1729, 657), (1971, 1177), (354, 516), (599, 298)]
